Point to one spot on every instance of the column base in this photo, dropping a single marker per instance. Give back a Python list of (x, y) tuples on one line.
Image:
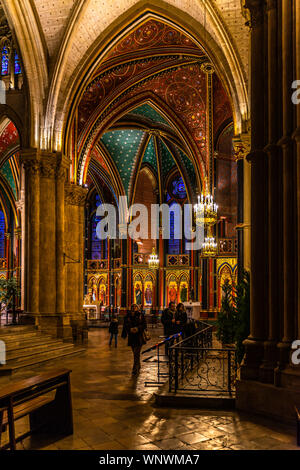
[(266, 371), (267, 400), (253, 359), (70, 327)]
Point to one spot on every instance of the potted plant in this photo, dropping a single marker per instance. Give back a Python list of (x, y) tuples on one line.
[(9, 293)]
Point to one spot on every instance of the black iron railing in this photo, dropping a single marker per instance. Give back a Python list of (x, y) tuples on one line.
[(195, 366)]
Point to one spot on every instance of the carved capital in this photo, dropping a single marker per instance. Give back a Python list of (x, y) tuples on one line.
[(242, 146), (47, 168), (61, 174), (32, 167), (75, 195)]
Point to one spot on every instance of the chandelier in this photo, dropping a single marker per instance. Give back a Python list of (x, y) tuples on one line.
[(206, 211), (209, 247), (153, 260)]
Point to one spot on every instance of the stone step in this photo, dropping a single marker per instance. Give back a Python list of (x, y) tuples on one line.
[(19, 343), (19, 336), (40, 359), (34, 349), (16, 329)]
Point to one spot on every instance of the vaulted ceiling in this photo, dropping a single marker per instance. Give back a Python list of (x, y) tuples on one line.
[(60, 41)]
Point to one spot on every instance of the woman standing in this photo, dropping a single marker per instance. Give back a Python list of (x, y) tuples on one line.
[(134, 327)]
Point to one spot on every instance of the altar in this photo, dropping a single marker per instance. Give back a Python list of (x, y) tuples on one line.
[(193, 310)]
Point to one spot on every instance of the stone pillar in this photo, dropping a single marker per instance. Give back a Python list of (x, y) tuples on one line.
[(31, 164), (242, 144), (74, 250), (124, 241), (297, 139), (274, 200), (60, 239), (289, 188), (254, 343), (47, 237)]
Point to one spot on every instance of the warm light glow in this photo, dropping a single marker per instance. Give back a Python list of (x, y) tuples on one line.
[(153, 260), (206, 210), (209, 247)]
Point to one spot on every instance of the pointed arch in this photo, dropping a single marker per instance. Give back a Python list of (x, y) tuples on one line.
[(212, 36)]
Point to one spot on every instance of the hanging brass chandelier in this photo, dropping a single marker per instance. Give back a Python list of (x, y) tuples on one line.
[(153, 260), (209, 247), (206, 211)]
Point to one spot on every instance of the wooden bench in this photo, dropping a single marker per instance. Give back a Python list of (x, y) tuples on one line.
[(34, 397)]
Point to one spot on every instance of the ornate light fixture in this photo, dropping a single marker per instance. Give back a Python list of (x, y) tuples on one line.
[(209, 247), (206, 210), (153, 260)]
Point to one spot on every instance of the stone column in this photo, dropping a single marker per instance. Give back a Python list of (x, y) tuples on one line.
[(297, 139), (74, 251), (47, 275), (242, 144), (61, 174), (254, 343), (274, 200), (289, 188), (124, 240), (31, 164)]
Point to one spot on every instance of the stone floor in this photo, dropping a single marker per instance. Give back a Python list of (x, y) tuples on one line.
[(113, 411)]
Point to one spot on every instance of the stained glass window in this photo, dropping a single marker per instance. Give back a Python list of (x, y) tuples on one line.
[(178, 188), (173, 243), (4, 61), (2, 238), (95, 242), (17, 64)]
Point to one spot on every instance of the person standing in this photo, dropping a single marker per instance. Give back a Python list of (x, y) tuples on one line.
[(180, 319), (134, 327), (168, 320), (114, 330)]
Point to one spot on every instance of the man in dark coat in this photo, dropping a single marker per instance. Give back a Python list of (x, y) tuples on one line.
[(134, 327)]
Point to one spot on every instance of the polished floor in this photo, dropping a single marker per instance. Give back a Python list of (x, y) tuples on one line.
[(113, 411)]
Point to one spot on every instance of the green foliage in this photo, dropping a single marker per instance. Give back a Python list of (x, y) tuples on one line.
[(9, 291), (226, 317), (233, 322), (242, 313)]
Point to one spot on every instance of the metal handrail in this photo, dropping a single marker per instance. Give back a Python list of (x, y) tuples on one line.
[(199, 361)]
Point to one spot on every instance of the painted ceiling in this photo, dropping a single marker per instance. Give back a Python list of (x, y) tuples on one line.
[(176, 86), (129, 148), (9, 167), (154, 34)]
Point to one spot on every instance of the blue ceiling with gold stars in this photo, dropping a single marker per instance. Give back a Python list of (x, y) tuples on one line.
[(149, 112), (8, 174), (126, 147), (123, 146)]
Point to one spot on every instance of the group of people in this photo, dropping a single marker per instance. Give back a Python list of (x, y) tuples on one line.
[(174, 320)]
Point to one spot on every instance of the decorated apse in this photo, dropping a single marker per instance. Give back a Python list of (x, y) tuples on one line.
[(10, 219), (154, 123)]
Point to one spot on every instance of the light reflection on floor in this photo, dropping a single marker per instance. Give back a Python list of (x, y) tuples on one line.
[(114, 411)]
